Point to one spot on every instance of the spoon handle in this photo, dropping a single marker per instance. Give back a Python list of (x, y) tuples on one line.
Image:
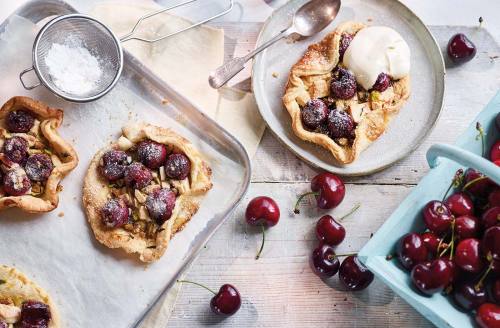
[(228, 70)]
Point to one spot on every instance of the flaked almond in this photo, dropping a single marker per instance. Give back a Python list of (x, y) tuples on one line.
[(141, 198), (124, 143), (342, 141), (143, 214), (163, 175)]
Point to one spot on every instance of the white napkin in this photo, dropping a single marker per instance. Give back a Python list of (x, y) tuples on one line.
[(185, 61)]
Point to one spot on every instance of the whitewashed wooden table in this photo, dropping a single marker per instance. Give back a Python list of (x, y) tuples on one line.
[(279, 290)]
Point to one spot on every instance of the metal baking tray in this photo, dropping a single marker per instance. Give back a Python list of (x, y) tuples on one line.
[(94, 286)]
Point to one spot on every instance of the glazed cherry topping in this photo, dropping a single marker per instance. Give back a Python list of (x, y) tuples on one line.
[(151, 154), (382, 83), (469, 296), (19, 121), (329, 231), (460, 204), (460, 49), (345, 41), (432, 277), (340, 124), (262, 210), (468, 255), (437, 217), (314, 113), (38, 167), (35, 314), (343, 84), (411, 250), (227, 301), (3, 324), (16, 149), (113, 164), (160, 204), (431, 242), (495, 152), (324, 262), (177, 166), (467, 226), (114, 213), (137, 175), (488, 316), (491, 217), (16, 182), (354, 275), (491, 243)]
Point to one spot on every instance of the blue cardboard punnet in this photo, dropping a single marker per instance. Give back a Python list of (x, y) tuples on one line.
[(444, 161)]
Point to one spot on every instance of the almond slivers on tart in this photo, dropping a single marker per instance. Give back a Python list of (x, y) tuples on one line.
[(345, 90), (143, 188)]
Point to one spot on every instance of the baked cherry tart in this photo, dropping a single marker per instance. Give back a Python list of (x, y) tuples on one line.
[(33, 156), (143, 188)]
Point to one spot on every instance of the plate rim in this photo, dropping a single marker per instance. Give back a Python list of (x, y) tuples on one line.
[(440, 75)]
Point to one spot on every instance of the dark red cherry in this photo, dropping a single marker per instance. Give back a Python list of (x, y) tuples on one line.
[(343, 84), (113, 165), (431, 242), (468, 255), (160, 204), (432, 277), (327, 188), (467, 226), (469, 296), (411, 250), (382, 83), (16, 182), (491, 243), (324, 262), (16, 149), (494, 198), (495, 151), (262, 210), (491, 217), (39, 167), (340, 124), (461, 49), (314, 113), (19, 121), (114, 213), (35, 314), (456, 273), (494, 291), (329, 231), (137, 175), (354, 275), (460, 204), (177, 166), (345, 41), (437, 217), (488, 316), (227, 301), (477, 184), (151, 154)]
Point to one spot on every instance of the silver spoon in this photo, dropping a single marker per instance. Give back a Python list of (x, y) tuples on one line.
[(310, 19)]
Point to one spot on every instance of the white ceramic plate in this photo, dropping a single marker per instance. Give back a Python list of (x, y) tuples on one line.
[(415, 120)]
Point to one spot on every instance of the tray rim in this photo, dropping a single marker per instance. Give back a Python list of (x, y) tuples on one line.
[(238, 148), (338, 169)]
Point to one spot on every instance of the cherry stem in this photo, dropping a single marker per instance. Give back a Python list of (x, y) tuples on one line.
[(263, 241), (480, 282), (479, 128), (296, 208), (197, 284), (441, 242), (455, 182), (470, 183), (452, 242), (354, 209), (331, 257)]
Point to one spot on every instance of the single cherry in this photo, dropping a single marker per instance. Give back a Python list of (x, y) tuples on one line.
[(35, 314), (331, 232), (137, 175), (432, 277), (114, 213), (411, 250), (345, 41), (39, 167), (327, 188), (160, 204), (324, 262), (16, 149), (491, 217), (491, 243), (467, 226), (263, 211), (16, 182), (460, 204), (431, 242), (226, 302), (113, 164), (343, 84), (314, 113), (495, 151), (177, 166), (19, 121), (151, 153), (477, 183), (461, 49), (469, 296), (488, 316), (456, 273), (468, 255), (437, 217), (494, 198), (382, 83), (340, 124), (354, 275)]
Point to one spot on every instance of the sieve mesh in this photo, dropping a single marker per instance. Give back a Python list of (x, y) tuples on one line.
[(80, 31)]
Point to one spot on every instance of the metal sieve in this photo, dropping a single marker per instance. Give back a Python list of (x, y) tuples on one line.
[(99, 40)]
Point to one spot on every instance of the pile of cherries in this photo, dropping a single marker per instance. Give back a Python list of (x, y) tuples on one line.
[(459, 253), (19, 168), (34, 314)]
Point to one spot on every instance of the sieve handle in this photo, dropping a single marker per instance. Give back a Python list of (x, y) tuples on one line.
[(28, 87)]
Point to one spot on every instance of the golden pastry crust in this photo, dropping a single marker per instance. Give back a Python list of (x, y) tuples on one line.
[(96, 192), (310, 78), (63, 156), (17, 288)]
